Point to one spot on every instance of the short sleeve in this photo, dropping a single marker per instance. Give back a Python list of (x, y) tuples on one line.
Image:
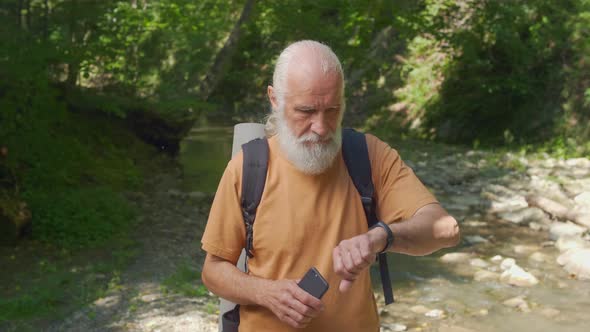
[(225, 232), (398, 190)]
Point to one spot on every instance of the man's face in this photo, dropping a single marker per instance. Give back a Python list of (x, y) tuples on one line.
[(312, 104), (308, 119)]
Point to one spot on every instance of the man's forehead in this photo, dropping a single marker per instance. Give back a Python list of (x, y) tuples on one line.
[(306, 79)]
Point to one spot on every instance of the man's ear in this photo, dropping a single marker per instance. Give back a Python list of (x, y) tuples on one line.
[(272, 97)]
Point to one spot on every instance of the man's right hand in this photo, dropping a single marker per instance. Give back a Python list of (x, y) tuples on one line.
[(290, 303)]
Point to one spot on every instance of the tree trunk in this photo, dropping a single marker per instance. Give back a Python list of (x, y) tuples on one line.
[(221, 62), (28, 15), (19, 13), (46, 20), (73, 65)]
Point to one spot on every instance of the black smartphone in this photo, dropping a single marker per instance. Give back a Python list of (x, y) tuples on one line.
[(313, 283)]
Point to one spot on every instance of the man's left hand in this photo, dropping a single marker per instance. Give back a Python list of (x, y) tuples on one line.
[(354, 255)]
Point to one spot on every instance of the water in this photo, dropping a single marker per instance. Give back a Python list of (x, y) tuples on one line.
[(557, 303), (204, 154)]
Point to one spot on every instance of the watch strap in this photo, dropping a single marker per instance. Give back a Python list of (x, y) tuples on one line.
[(390, 236)]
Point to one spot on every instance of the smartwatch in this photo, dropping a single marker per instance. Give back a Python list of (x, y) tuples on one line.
[(390, 236)]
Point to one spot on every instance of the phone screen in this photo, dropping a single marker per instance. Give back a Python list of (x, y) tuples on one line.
[(313, 283)]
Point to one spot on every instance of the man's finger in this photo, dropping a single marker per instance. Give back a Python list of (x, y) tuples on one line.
[(339, 266), (308, 300)]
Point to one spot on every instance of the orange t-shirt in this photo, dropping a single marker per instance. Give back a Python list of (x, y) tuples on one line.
[(299, 221)]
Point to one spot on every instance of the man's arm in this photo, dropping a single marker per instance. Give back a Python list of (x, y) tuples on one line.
[(431, 228), (284, 298)]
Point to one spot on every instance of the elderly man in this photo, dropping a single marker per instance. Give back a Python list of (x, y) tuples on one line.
[(310, 213)]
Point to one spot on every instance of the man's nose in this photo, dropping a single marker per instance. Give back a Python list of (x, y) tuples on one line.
[(320, 124)]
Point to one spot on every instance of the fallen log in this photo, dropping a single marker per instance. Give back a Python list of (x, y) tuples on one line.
[(558, 211)]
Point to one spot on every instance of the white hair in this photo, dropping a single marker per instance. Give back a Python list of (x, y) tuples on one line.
[(327, 60)]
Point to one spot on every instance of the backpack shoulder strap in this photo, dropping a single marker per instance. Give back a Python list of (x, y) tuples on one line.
[(254, 169), (356, 157)]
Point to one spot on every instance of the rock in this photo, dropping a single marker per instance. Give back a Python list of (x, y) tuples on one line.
[(507, 204), (108, 301), (524, 215), (419, 309), (475, 223), (538, 226), (150, 297), (576, 262), (483, 312), (496, 258), (455, 257), (507, 263), (518, 303), (478, 262), (484, 275), (524, 249), (475, 239), (550, 312), (394, 327), (539, 257), (567, 242), (558, 229), (447, 328), (583, 199), (435, 313), (582, 163), (516, 276)]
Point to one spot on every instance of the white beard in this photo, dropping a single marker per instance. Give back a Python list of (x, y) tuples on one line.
[(312, 158)]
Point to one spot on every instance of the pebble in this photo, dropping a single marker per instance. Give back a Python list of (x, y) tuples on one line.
[(496, 258), (539, 257), (507, 263), (475, 239), (524, 215), (518, 303), (550, 312), (435, 313), (524, 249), (478, 262), (559, 229), (576, 262), (447, 328), (567, 242), (583, 199), (484, 275), (108, 301), (455, 257), (150, 297), (516, 276), (475, 223), (419, 309), (394, 327)]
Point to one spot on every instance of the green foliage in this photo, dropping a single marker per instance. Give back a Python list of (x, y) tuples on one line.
[(79, 217), (186, 281), (58, 283)]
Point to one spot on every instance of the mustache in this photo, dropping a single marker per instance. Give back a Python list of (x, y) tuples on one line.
[(315, 138)]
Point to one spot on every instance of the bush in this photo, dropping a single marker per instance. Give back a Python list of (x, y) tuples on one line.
[(79, 217)]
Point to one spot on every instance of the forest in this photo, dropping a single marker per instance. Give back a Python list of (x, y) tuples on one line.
[(95, 95)]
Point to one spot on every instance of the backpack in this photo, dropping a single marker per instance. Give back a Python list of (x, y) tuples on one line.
[(255, 166)]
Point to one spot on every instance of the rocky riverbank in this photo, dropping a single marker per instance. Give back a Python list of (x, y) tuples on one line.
[(518, 267)]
